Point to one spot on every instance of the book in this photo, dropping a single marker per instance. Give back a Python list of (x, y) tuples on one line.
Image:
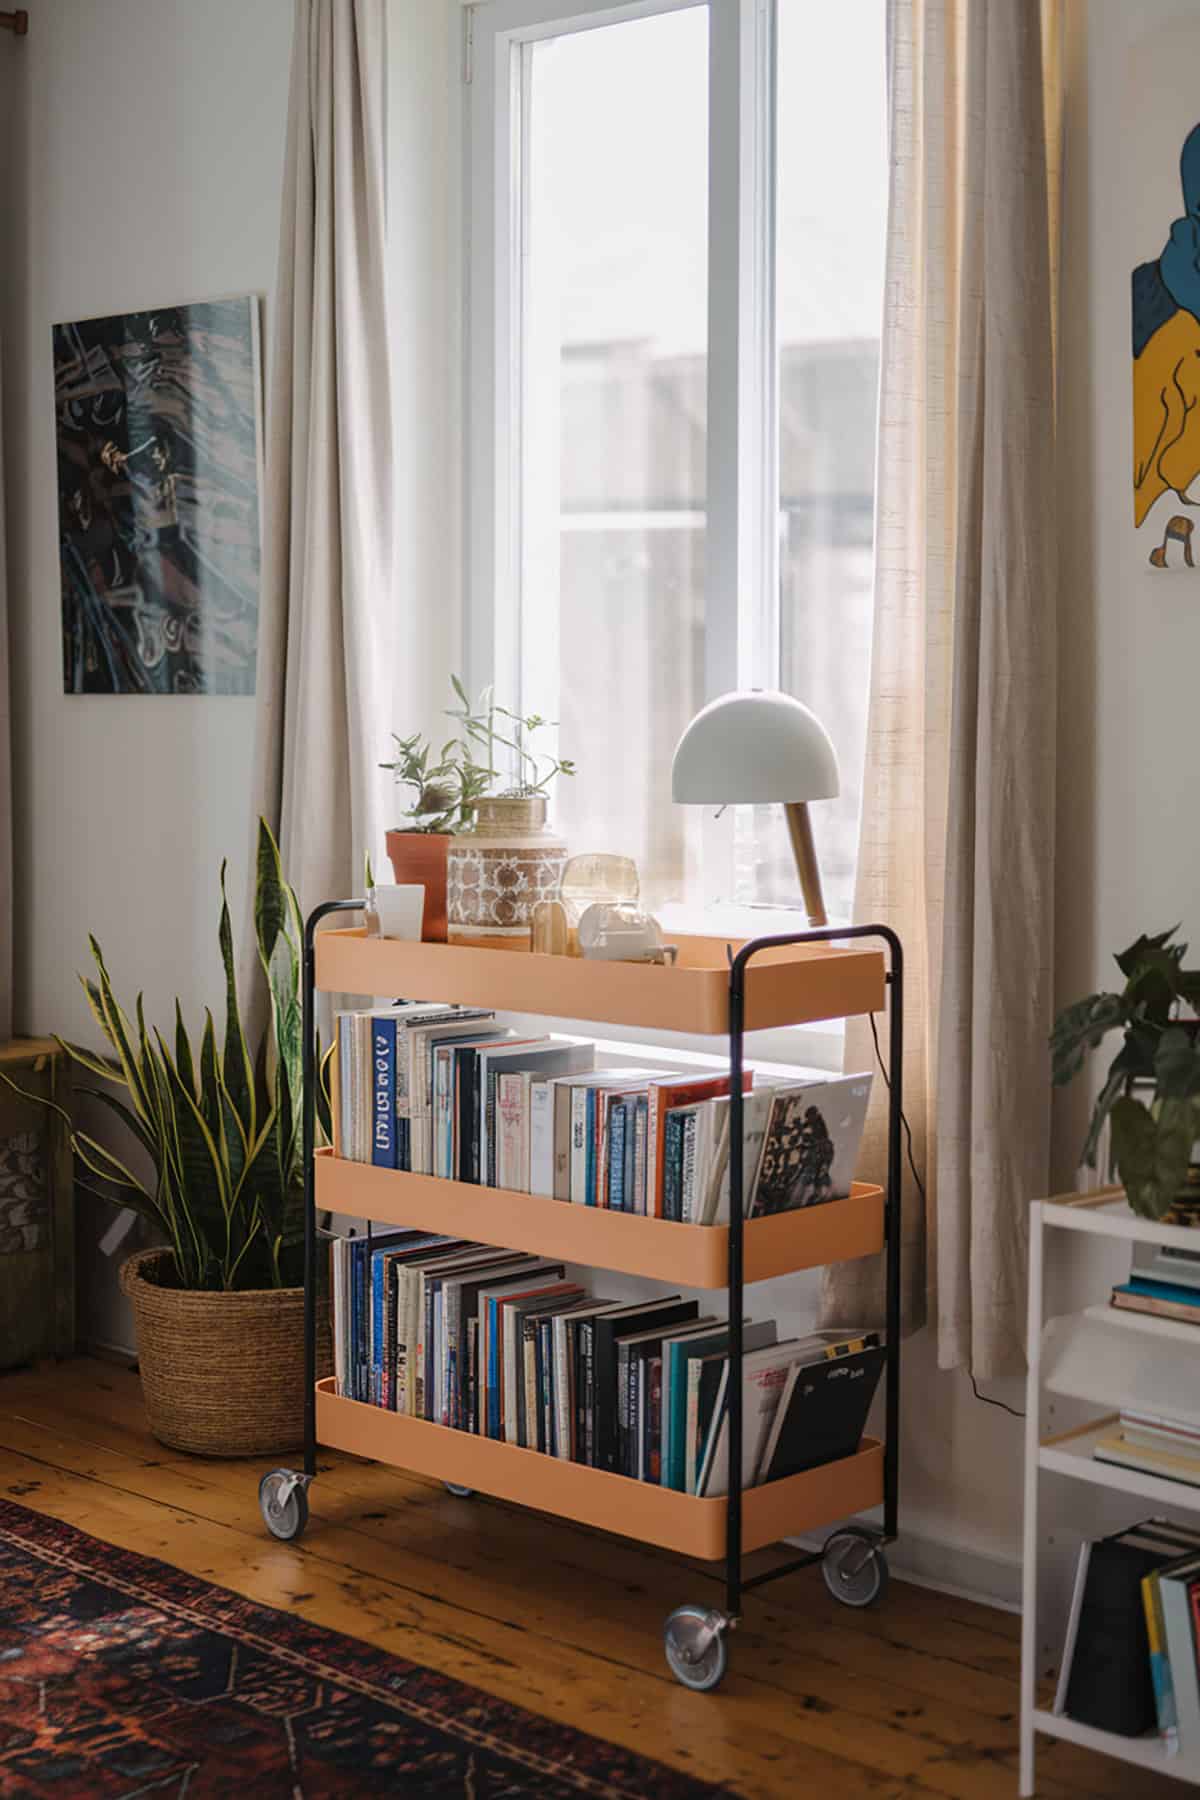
[(541, 1136), (756, 1109), (1107, 1681), (701, 1336), (1170, 1465), (1162, 1298), (1072, 1633), (383, 1090), (765, 1375), (1179, 1589), (663, 1093), (822, 1413), (607, 1327), (811, 1145)]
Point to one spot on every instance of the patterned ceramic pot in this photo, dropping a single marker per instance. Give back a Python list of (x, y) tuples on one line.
[(499, 872)]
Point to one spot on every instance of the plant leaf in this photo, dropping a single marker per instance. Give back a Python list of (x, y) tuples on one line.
[(1152, 1153)]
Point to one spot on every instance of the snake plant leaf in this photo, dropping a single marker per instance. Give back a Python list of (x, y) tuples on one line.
[(204, 1172), (117, 1027), (276, 918), (126, 1115), (209, 1099), (237, 1067), (183, 1047), (1152, 1151), (234, 1145), (86, 1059)]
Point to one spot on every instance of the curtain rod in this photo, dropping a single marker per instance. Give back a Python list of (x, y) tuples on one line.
[(16, 22)]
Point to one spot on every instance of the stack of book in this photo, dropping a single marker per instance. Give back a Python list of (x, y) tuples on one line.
[(447, 1091), (1156, 1445), (1164, 1299), (1130, 1658), (513, 1347)]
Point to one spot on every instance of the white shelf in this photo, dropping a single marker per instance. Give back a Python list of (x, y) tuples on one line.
[(1146, 1752), (1073, 1457), (1130, 1361), (1112, 1216)]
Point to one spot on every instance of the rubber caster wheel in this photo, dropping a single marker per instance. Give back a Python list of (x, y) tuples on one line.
[(460, 1493), (697, 1654), (855, 1568), (284, 1518)]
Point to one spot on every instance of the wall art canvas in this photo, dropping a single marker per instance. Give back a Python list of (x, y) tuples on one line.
[(1166, 375), (159, 449)]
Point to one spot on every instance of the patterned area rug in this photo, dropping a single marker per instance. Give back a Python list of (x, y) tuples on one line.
[(120, 1676)]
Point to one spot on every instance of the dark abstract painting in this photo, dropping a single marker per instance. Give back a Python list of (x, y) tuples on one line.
[(158, 460)]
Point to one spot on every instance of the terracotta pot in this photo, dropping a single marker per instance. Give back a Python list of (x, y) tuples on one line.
[(222, 1374), (421, 856), (502, 870)]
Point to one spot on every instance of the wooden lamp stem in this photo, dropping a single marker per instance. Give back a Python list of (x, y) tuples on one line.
[(807, 867), (16, 22)]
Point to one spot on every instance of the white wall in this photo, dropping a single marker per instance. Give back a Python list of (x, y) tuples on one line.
[(147, 159)]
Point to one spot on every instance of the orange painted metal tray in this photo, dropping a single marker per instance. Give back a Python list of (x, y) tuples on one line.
[(694, 1256), (792, 986), (635, 1509)]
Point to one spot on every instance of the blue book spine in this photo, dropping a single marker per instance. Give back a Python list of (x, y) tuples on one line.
[(377, 1328), (616, 1158), (672, 1472), (493, 1377), (628, 1196), (383, 1093), (589, 1148), (357, 1248), (673, 1167)]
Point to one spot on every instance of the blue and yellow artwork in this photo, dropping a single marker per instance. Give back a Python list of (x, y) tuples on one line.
[(1166, 375)]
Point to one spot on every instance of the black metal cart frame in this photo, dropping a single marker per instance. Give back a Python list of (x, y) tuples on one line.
[(852, 1560)]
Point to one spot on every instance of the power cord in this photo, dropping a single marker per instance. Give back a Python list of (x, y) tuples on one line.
[(912, 1163)]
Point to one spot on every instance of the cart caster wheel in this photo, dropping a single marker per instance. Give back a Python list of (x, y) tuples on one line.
[(694, 1640), (460, 1493), (284, 1507), (855, 1568)]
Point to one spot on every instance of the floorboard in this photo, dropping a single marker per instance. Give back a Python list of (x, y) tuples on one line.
[(916, 1698)]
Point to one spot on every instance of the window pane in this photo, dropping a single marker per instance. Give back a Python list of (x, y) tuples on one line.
[(832, 219), (614, 353)]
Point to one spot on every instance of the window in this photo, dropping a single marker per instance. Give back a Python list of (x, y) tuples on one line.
[(675, 296)]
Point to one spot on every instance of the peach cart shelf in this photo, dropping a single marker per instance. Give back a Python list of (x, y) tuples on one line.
[(689, 1255), (692, 1526), (787, 987)]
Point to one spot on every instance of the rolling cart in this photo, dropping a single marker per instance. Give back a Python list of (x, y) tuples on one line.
[(713, 990)]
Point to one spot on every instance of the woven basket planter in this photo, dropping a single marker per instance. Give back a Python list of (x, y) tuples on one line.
[(222, 1374)]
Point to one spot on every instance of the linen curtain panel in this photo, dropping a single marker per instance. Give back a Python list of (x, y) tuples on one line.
[(325, 645), (6, 853), (957, 832)]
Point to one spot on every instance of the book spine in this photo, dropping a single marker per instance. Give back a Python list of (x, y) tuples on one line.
[(692, 1426), (489, 1148), (629, 1186), (419, 1349), (545, 1369), (623, 1365), (511, 1349), (403, 1122), (453, 1311), (562, 1393), (529, 1437), (615, 1198), (376, 1386), (591, 1109), (652, 1432), (472, 1423), (541, 1139), (672, 1166), (1162, 1309), (687, 1174), (633, 1418), (492, 1369), (383, 1067), (640, 1139), (653, 1158), (579, 1098), (508, 1154)]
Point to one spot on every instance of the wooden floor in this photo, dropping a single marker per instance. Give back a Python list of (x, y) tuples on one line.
[(918, 1697)]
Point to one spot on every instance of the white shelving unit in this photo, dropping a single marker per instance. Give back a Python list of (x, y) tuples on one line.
[(1111, 1360)]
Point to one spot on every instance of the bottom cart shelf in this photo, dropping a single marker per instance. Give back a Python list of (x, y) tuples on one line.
[(1145, 1752), (692, 1526)]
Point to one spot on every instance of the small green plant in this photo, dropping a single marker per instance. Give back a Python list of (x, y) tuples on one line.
[(220, 1127), (533, 773), (1151, 1144)]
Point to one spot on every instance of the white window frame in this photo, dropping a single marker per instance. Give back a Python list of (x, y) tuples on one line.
[(742, 642), (742, 433)]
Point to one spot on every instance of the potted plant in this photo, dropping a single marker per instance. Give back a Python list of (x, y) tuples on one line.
[(1153, 1139), (506, 861), (219, 1307), (440, 793)]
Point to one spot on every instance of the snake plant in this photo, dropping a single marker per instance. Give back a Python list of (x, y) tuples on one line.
[(219, 1126)]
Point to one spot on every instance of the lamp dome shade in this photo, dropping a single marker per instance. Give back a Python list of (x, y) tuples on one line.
[(754, 749)]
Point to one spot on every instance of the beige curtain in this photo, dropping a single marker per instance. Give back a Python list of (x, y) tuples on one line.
[(326, 649), (6, 846), (956, 848)]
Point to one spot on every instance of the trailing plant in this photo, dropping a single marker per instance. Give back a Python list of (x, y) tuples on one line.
[(220, 1126), (481, 727), (1155, 1010)]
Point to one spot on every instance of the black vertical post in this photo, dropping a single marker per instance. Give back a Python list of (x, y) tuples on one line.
[(733, 1509), (310, 1075), (893, 1217)]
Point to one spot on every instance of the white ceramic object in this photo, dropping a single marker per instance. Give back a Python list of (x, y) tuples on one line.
[(622, 934), (398, 912)]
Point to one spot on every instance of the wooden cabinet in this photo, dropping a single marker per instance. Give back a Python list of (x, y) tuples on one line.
[(37, 1206)]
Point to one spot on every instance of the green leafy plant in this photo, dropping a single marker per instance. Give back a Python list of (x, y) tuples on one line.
[(221, 1127), (1151, 1144), (533, 773), (443, 788)]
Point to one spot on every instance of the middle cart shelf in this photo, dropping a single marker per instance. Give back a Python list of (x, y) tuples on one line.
[(695, 1255)]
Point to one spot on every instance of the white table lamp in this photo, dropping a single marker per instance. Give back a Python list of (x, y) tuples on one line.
[(760, 748)]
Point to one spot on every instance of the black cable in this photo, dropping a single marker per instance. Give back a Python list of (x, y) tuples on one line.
[(912, 1163)]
